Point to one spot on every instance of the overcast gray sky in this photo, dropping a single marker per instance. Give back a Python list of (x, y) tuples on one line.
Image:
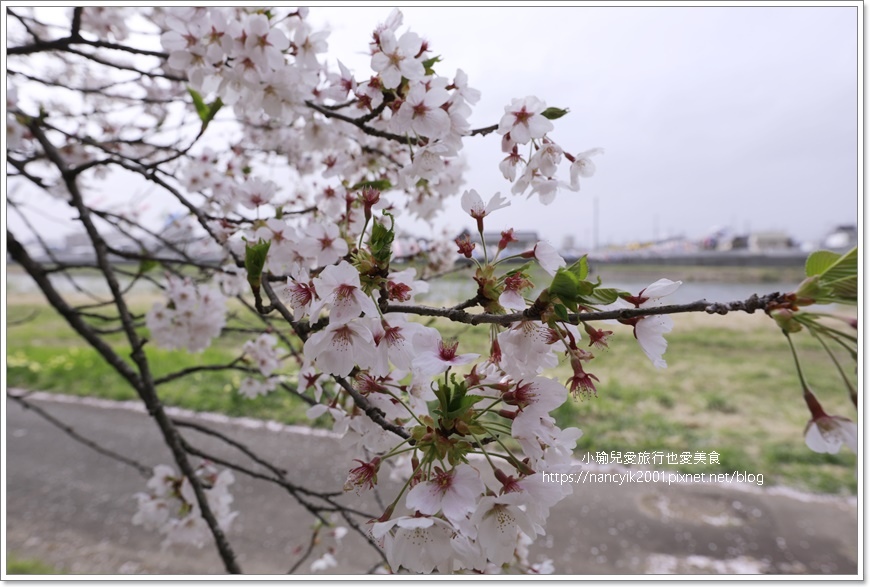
[(711, 116), (741, 117)]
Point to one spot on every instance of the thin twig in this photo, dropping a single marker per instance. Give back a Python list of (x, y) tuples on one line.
[(142, 469)]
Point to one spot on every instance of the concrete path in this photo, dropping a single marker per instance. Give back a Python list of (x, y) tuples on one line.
[(72, 507)]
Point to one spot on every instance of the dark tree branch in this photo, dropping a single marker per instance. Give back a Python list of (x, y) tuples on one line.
[(311, 544), (232, 366), (484, 131), (50, 253), (37, 273), (358, 122), (144, 381), (376, 415), (457, 314), (76, 25), (142, 469)]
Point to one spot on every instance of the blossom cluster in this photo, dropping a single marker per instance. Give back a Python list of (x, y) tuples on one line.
[(526, 121), (170, 506), (302, 175), (463, 411), (267, 67), (245, 57), (192, 317)]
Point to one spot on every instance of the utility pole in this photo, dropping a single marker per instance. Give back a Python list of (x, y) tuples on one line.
[(595, 223)]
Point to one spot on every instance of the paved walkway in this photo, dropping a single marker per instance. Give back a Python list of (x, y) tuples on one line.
[(72, 507)]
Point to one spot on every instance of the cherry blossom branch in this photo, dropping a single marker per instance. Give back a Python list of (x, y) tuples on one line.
[(294, 490), (458, 314), (280, 474), (484, 131), (101, 91), (50, 253), (143, 381), (75, 38), (312, 542), (202, 219), (376, 415), (357, 122), (212, 458), (231, 366), (38, 274)]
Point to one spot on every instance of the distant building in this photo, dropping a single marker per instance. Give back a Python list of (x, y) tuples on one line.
[(733, 243), (762, 242), (525, 240), (841, 238)]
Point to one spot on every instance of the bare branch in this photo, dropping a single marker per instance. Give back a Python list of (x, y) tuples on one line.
[(144, 383), (142, 469)]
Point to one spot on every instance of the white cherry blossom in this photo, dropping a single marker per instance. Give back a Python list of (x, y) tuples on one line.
[(499, 521), (827, 434), (393, 337), (650, 333), (547, 257), (650, 330), (421, 113), (526, 348), (523, 120), (454, 492), (434, 355), (339, 287), (473, 205), (396, 59), (339, 347), (420, 544), (583, 166)]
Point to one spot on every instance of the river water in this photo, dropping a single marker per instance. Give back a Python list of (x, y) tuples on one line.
[(452, 290), (445, 292)]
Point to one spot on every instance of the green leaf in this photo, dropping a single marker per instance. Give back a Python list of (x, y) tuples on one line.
[(823, 263), (427, 64), (213, 109), (585, 288), (146, 265), (381, 185), (381, 241), (842, 291), (567, 287), (524, 268), (206, 112), (442, 393), (198, 103), (552, 113), (602, 296), (255, 259), (845, 289), (837, 276), (844, 267), (561, 312), (458, 408), (580, 268)]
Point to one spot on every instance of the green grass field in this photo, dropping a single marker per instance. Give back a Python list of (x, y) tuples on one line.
[(25, 566), (731, 387)]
